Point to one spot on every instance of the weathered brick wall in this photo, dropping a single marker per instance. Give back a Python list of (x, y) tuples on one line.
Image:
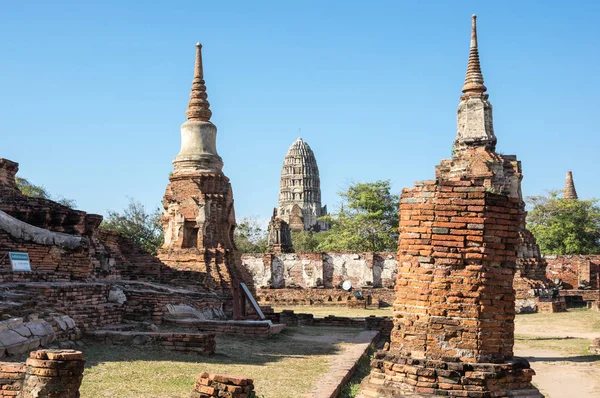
[(322, 297), (46, 373), (48, 263), (11, 379), (255, 329), (86, 303), (150, 305), (199, 343), (573, 269), (290, 318), (53, 373), (454, 235), (308, 270)]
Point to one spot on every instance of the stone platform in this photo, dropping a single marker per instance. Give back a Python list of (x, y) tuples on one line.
[(396, 375), (259, 329)]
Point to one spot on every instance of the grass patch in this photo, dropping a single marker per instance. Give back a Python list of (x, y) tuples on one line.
[(321, 312), (575, 320), (282, 366)]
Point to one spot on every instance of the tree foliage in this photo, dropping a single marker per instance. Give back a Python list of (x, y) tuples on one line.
[(367, 220), (564, 226), (38, 191), (249, 236), (306, 241), (143, 228)]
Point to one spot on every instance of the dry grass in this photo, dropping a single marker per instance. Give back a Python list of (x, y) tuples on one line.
[(574, 322), (281, 366), (563, 345), (321, 312)]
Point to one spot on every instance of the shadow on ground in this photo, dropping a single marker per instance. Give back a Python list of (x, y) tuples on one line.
[(297, 342)]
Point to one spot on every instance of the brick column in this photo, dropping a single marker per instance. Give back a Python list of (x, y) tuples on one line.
[(53, 374)]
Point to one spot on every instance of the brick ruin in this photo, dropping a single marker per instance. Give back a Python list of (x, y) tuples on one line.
[(45, 374), (463, 248), (316, 278), (99, 278), (279, 235), (199, 218), (215, 385), (569, 192), (455, 304), (58, 374)]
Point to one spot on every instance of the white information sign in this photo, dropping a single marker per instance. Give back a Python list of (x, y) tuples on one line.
[(19, 262)]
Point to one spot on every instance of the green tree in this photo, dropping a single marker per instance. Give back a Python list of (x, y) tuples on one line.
[(306, 241), (250, 237), (367, 220), (564, 226), (143, 228), (38, 191)]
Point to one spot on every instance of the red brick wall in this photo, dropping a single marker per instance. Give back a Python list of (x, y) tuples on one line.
[(572, 268), (457, 256)]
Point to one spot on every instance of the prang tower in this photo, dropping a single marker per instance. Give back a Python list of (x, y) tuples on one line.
[(300, 190)]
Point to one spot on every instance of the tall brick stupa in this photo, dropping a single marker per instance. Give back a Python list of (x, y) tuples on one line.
[(454, 312), (198, 216), (569, 192)]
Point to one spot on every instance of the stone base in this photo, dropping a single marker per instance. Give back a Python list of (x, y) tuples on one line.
[(395, 375)]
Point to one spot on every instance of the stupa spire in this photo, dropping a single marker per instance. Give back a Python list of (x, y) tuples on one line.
[(475, 122), (474, 78), (198, 107), (570, 192)]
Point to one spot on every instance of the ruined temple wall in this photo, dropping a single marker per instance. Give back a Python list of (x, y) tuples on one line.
[(573, 269), (383, 297), (48, 262), (329, 270), (86, 303)]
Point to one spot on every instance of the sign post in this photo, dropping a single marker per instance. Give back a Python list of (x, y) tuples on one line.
[(19, 262)]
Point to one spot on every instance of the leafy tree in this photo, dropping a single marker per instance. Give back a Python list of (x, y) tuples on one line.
[(38, 191), (306, 241), (143, 228), (564, 226), (367, 220), (250, 237)]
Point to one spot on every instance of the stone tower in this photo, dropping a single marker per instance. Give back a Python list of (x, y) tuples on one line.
[(454, 311), (198, 216), (570, 192), (279, 237), (300, 189)]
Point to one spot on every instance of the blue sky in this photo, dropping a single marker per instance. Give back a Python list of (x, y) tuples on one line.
[(92, 94)]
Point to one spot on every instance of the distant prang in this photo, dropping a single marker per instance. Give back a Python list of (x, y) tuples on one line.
[(300, 190)]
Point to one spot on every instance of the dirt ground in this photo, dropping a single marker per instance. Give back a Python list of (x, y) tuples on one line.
[(556, 346)]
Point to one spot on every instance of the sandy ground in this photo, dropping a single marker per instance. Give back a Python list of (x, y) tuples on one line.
[(561, 371), (560, 376)]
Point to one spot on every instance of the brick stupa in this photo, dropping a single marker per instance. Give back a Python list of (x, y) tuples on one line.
[(198, 217), (570, 192), (454, 312)]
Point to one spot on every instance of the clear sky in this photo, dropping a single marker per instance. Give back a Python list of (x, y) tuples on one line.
[(92, 93)]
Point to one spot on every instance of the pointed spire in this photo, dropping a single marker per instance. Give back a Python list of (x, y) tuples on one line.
[(474, 78), (198, 107), (569, 192)]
